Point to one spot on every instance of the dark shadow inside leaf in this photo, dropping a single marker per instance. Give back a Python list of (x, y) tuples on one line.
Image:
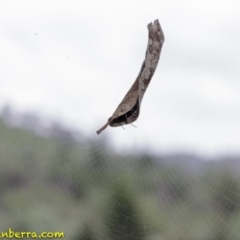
[(128, 117)]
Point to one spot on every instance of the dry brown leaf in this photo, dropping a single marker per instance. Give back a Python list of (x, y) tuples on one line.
[(128, 110)]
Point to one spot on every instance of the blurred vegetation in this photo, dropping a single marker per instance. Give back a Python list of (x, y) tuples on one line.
[(58, 183)]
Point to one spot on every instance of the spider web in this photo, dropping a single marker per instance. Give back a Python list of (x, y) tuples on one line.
[(55, 179), (89, 191)]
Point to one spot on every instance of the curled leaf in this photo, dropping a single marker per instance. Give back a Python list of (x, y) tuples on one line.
[(128, 110)]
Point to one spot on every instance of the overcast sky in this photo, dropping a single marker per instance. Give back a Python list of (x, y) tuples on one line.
[(75, 60)]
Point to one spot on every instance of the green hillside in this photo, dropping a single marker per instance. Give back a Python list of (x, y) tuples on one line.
[(87, 192)]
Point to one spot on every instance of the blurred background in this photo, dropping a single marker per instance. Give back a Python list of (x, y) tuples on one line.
[(65, 67)]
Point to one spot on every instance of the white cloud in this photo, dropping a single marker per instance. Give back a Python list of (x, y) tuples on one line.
[(75, 60)]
